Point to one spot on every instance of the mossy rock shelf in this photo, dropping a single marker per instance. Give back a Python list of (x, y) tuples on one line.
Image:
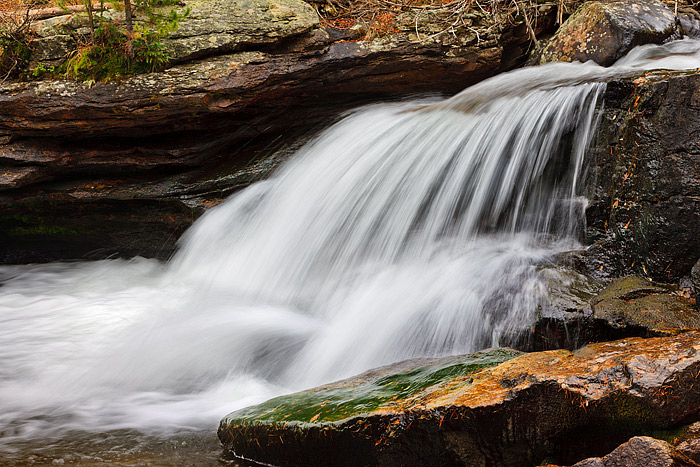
[(497, 407)]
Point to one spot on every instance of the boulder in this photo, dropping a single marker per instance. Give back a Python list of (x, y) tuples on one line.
[(695, 279), (689, 20), (475, 411), (212, 27), (635, 302), (604, 31), (641, 450), (215, 27), (578, 310)]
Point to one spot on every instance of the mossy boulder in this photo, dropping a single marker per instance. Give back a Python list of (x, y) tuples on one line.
[(605, 31), (475, 411), (637, 302)]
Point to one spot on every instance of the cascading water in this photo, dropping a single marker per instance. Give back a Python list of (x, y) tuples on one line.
[(405, 230)]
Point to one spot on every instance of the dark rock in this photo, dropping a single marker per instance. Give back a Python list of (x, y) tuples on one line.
[(641, 451), (579, 310), (690, 448), (606, 31), (590, 462), (644, 183), (695, 279), (558, 404)]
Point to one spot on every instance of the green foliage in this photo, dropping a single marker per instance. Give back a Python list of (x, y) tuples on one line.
[(14, 54), (41, 71), (115, 52)]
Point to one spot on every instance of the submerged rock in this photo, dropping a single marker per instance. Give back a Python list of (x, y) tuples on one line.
[(476, 411), (606, 31)]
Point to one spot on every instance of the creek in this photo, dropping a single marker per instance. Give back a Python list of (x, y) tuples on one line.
[(409, 229)]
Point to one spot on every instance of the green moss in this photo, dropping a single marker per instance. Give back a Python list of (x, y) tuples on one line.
[(347, 399), (630, 415), (31, 225), (41, 229)]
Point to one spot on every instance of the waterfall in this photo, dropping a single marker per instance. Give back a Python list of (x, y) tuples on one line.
[(406, 230), (409, 229)]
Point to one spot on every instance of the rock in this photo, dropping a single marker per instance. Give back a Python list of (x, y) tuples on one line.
[(590, 462), (216, 27), (641, 450), (213, 27), (579, 310), (689, 22), (605, 31), (644, 182), (564, 318), (181, 140), (695, 279), (690, 448), (475, 411), (51, 50), (635, 302)]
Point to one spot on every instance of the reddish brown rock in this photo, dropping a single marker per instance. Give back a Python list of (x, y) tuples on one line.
[(557, 404)]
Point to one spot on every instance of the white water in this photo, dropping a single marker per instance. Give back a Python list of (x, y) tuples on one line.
[(405, 230)]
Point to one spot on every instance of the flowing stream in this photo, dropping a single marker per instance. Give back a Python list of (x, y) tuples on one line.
[(410, 229)]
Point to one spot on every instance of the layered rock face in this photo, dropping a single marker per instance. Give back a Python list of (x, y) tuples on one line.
[(141, 158)]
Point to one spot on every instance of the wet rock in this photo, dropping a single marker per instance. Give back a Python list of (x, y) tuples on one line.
[(578, 310), (564, 318), (641, 450), (559, 404), (689, 20), (605, 31), (644, 182), (695, 279), (635, 302)]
